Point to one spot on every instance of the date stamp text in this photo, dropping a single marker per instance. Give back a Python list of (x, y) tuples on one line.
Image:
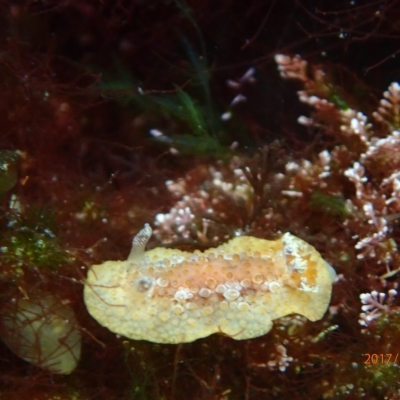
[(375, 358)]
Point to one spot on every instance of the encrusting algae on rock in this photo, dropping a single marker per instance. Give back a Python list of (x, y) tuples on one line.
[(237, 289)]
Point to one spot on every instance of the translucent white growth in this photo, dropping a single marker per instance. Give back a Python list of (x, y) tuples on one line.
[(291, 67), (42, 331), (281, 360)]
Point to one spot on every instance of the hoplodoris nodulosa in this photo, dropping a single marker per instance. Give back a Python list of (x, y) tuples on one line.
[(237, 289)]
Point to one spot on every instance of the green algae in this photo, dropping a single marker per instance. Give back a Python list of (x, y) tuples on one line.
[(29, 242), (8, 170)]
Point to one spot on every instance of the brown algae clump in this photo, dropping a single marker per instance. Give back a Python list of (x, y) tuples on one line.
[(238, 289)]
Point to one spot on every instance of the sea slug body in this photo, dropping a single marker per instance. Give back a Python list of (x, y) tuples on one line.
[(238, 289)]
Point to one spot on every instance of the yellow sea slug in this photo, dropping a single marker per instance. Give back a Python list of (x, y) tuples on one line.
[(238, 289)]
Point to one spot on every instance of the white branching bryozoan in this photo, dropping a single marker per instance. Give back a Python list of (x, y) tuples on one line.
[(374, 305)]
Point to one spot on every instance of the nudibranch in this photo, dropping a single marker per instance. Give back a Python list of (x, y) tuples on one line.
[(237, 289)]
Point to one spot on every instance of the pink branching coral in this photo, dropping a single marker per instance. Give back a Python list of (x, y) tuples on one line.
[(366, 155)]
